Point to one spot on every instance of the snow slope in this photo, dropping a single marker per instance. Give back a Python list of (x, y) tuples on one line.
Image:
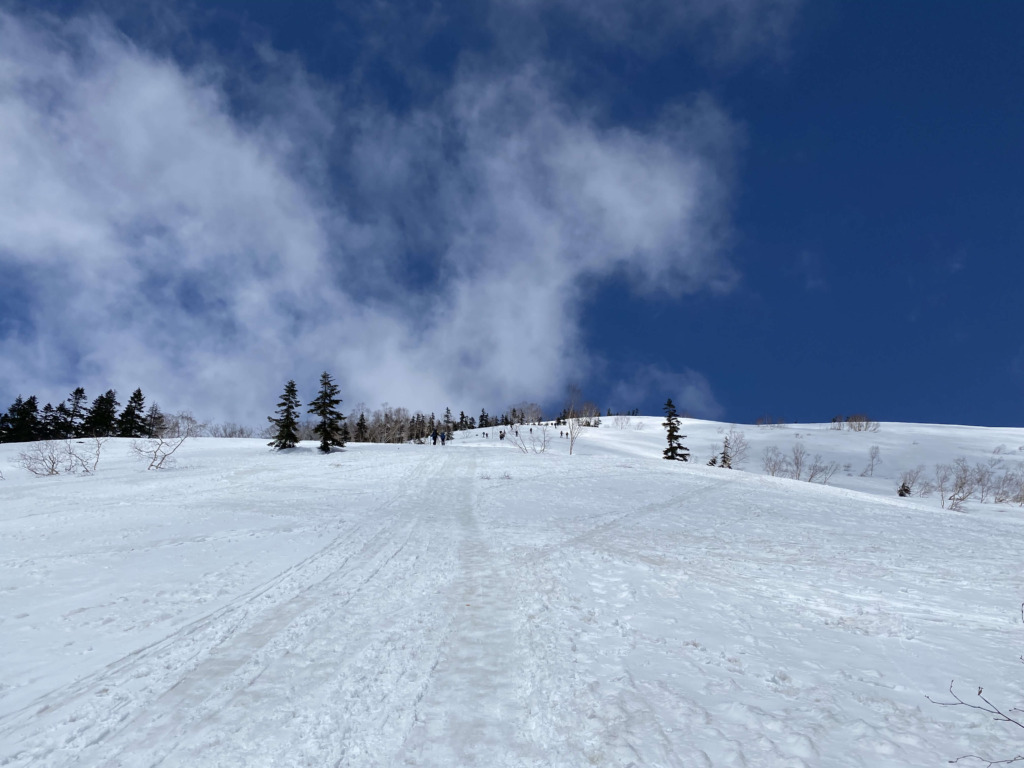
[(473, 605)]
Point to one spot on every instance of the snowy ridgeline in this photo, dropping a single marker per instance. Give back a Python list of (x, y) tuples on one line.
[(475, 605)]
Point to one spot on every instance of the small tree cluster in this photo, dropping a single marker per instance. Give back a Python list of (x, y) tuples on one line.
[(959, 482), (46, 458), (777, 464), (25, 421)]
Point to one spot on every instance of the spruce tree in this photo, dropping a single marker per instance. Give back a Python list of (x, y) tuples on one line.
[(131, 422), (154, 424), (726, 460), (76, 412), (362, 430), (675, 451), (101, 421), (21, 424), (287, 421), (325, 408)]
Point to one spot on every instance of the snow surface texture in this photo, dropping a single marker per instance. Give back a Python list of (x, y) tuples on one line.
[(473, 605)]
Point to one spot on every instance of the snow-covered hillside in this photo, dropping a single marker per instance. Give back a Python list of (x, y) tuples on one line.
[(474, 605)]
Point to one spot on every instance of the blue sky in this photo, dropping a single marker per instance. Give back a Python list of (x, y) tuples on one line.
[(756, 207)]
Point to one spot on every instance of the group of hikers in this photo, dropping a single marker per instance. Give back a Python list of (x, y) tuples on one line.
[(443, 435)]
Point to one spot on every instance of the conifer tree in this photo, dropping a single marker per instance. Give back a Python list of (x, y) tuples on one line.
[(154, 424), (48, 426), (675, 451), (21, 423), (484, 421), (287, 421), (362, 430), (130, 422), (101, 421), (726, 459), (325, 408), (76, 412)]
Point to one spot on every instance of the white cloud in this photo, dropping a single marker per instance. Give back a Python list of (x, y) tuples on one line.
[(163, 243)]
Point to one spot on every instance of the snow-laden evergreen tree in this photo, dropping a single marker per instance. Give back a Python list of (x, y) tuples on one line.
[(675, 451), (287, 421), (325, 408), (131, 421)]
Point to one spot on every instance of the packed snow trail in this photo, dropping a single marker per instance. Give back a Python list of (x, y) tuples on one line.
[(474, 606)]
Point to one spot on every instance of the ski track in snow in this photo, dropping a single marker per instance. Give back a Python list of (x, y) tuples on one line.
[(391, 606)]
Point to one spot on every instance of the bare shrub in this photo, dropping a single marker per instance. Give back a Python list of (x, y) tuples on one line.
[(739, 448), (621, 420), (774, 462), (639, 426), (530, 439), (909, 480), (43, 459), (1009, 487), (1011, 716), (159, 450), (229, 429), (943, 476), (47, 458), (963, 484), (984, 481), (874, 459), (798, 458), (859, 422), (820, 471)]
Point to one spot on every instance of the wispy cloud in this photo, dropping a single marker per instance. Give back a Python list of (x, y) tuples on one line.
[(690, 391), (437, 255)]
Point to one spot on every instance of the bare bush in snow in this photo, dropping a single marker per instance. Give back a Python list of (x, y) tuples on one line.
[(61, 457), (943, 475), (821, 471), (230, 429), (773, 462), (159, 450), (739, 448), (874, 459), (859, 422), (1009, 486), (530, 439), (43, 459), (909, 480), (798, 458), (621, 420), (962, 485), (1011, 716), (985, 480)]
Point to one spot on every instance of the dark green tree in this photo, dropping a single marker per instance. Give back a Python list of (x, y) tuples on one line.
[(76, 412), (726, 458), (675, 451), (287, 421), (154, 423), (101, 420), (362, 430), (131, 422), (21, 423), (484, 420), (325, 408)]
